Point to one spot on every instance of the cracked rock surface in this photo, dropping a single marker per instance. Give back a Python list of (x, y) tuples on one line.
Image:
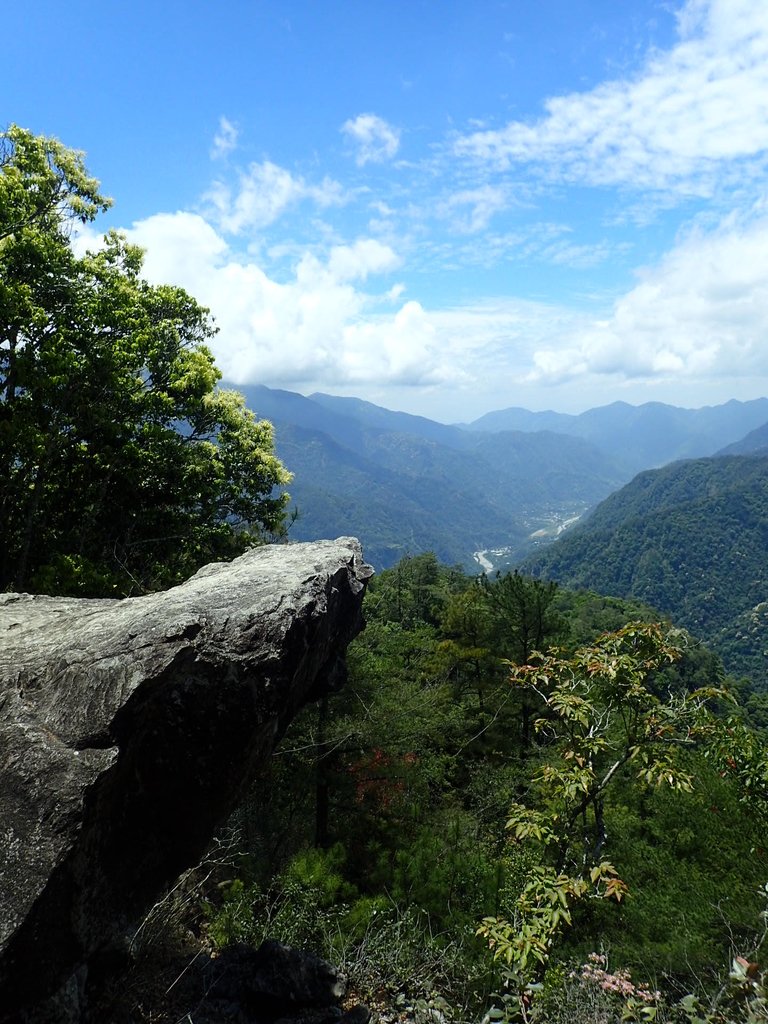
[(130, 729)]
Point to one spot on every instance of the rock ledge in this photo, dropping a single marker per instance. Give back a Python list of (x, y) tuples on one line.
[(130, 729)]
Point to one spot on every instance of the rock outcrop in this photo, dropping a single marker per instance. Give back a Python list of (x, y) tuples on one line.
[(130, 729), (269, 985)]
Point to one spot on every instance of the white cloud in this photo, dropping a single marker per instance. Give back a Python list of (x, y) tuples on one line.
[(374, 139), (472, 209), (700, 314), (318, 327), (581, 257), (364, 257), (263, 193), (695, 319), (195, 245), (688, 115), (395, 291), (225, 139), (401, 349)]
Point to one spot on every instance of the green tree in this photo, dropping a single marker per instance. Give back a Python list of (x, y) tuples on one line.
[(601, 720), (523, 621), (521, 607), (43, 183), (122, 466), (467, 625)]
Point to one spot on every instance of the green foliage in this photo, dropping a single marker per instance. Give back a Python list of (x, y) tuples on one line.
[(43, 182), (600, 719), (321, 872), (303, 906), (690, 539), (742, 999), (425, 759), (378, 945), (741, 753), (520, 608), (122, 466), (693, 864), (447, 871), (289, 911)]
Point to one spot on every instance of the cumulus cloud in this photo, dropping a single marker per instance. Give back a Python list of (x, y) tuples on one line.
[(695, 319), (365, 256), (701, 313), (374, 140), (319, 326), (263, 192), (225, 139), (194, 246), (401, 350), (689, 114)]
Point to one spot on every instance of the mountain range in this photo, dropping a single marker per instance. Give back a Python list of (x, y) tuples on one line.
[(644, 436), (483, 494)]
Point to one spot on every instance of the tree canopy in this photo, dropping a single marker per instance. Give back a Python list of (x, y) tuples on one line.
[(598, 802), (122, 466)]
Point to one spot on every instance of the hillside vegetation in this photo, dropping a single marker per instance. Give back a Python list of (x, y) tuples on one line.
[(405, 484), (690, 539), (460, 778), (755, 443)]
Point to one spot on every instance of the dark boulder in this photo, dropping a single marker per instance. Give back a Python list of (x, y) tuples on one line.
[(129, 730), (273, 982)]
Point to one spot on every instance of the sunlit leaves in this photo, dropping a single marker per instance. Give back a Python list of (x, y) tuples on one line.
[(120, 461), (43, 180), (601, 718)]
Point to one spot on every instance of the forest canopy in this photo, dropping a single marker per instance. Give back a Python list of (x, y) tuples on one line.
[(123, 467), (522, 833)]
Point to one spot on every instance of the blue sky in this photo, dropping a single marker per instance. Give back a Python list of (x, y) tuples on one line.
[(441, 207)]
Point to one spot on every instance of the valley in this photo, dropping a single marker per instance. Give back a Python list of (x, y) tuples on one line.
[(602, 501), (544, 528), (511, 482)]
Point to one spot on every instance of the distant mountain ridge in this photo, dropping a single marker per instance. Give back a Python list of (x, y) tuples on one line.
[(406, 484), (644, 436), (398, 422)]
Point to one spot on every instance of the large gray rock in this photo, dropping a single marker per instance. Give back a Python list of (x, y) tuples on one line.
[(130, 729)]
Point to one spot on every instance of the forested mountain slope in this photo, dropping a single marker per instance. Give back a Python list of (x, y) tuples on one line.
[(755, 443), (690, 539), (404, 484), (384, 823), (506, 484), (339, 491)]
